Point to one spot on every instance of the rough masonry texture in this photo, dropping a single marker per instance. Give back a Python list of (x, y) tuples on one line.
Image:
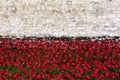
[(59, 18)]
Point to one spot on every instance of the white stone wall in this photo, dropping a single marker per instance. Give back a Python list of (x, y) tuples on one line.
[(59, 18)]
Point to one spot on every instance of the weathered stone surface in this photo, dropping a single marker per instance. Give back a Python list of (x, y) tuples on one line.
[(59, 17)]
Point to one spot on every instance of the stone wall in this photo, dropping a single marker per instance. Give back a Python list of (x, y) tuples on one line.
[(59, 18)]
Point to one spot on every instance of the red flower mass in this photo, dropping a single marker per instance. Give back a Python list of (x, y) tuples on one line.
[(59, 59)]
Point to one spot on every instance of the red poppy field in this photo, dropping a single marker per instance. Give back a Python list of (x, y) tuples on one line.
[(59, 59)]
